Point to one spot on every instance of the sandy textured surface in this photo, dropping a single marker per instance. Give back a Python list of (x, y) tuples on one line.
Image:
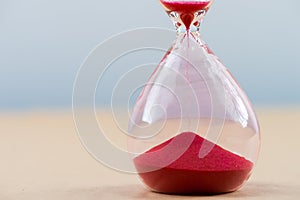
[(43, 159)]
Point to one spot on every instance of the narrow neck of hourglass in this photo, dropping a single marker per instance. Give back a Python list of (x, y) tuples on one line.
[(187, 22), (186, 15)]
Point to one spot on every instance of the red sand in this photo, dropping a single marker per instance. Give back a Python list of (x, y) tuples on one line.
[(219, 172), (186, 9)]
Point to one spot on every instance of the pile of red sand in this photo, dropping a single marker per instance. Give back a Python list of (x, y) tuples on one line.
[(219, 171)]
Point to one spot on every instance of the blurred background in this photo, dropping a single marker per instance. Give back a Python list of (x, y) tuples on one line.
[(42, 46), (43, 43)]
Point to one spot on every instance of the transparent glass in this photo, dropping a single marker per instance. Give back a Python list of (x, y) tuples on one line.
[(197, 129)]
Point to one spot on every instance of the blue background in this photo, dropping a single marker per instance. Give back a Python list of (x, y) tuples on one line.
[(43, 43)]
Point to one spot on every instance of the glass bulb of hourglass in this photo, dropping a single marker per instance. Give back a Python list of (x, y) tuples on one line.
[(197, 129)]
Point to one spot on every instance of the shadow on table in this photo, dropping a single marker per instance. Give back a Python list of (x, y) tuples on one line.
[(251, 190), (132, 192)]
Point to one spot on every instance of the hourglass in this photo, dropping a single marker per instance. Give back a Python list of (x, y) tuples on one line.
[(196, 128)]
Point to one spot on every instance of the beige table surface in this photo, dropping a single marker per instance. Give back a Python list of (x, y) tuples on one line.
[(43, 159)]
